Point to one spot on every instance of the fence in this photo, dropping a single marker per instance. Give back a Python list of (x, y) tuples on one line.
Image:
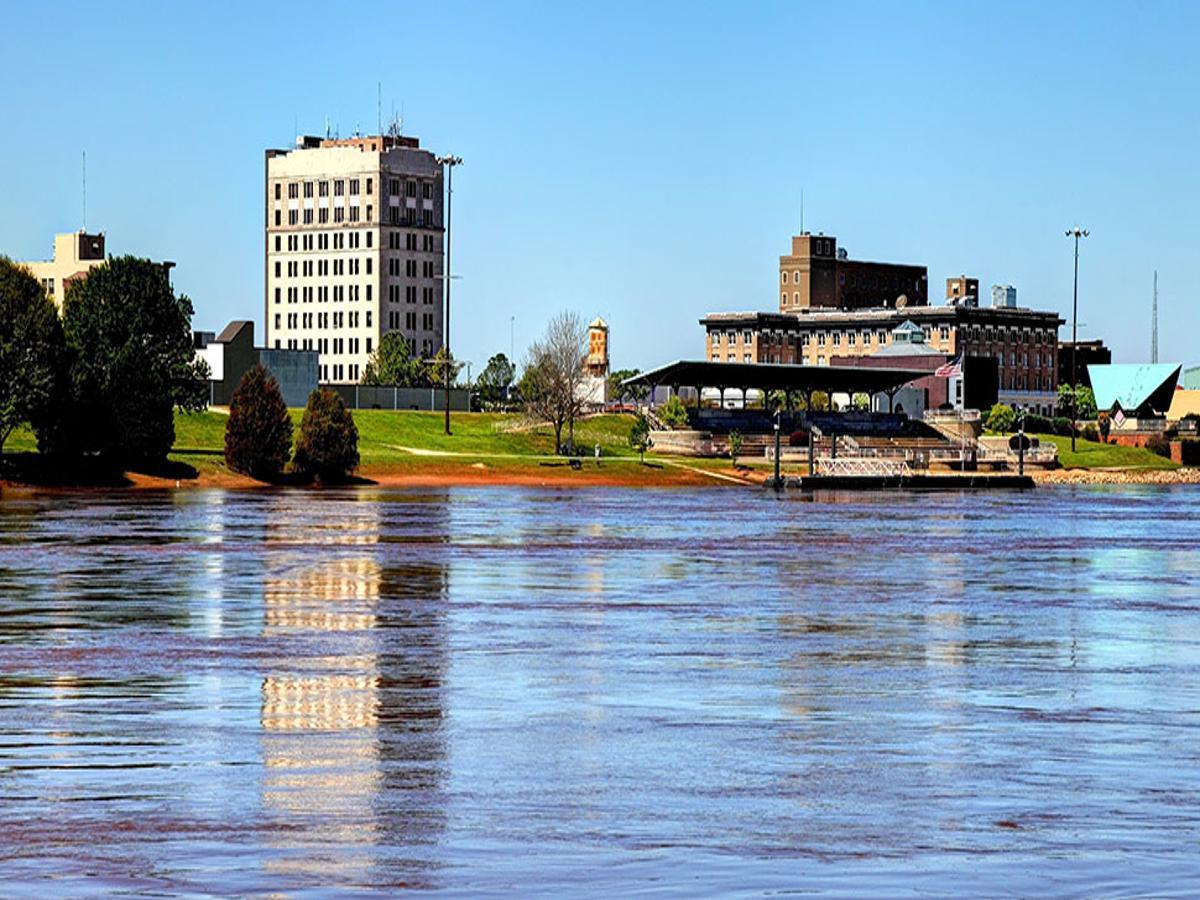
[(361, 396)]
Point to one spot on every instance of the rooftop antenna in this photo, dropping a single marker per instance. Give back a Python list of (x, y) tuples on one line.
[(401, 117), (327, 128), (1154, 322), (85, 190)]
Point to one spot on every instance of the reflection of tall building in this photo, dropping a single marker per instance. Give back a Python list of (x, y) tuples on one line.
[(352, 706)]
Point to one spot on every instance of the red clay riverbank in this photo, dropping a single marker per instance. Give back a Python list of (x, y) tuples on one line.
[(445, 474)]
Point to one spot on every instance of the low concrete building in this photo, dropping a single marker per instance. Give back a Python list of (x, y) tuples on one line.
[(232, 353)]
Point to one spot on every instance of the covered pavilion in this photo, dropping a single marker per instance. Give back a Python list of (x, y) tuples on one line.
[(766, 377)]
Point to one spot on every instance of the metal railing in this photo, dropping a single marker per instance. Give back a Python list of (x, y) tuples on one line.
[(870, 466)]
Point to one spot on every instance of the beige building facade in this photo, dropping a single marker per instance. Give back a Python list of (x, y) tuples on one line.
[(75, 253), (354, 249)]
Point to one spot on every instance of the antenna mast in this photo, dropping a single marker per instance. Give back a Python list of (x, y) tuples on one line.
[(1154, 322)]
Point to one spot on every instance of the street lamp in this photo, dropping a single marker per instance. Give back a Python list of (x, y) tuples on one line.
[(449, 162), (1076, 233)]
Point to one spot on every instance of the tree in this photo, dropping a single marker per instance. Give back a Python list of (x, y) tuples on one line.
[(620, 392), (328, 446), (673, 413), (495, 380), (1085, 402), (32, 351), (392, 363), (132, 361), (436, 369), (1001, 418), (552, 383), (258, 435), (735, 445), (639, 435)]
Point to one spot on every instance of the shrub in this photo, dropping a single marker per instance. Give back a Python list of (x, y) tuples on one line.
[(258, 436), (798, 438), (1062, 426), (1190, 453), (328, 446), (1091, 432), (1158, 443), (673, 413), (1001, 418), (1038, 424), (735, 445), (639, 435)]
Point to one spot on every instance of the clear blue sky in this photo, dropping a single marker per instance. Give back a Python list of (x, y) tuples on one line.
[(639, 161)]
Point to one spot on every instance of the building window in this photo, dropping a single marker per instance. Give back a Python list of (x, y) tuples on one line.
[(796, 277), (308, 189), (277, 218), (369, 185), (353, 187), (293, 191)]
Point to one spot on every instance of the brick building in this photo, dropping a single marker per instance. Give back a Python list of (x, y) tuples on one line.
[(1023, 342), (818, 275)]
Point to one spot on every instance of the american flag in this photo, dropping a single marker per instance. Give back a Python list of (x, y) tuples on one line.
[(951, 369)]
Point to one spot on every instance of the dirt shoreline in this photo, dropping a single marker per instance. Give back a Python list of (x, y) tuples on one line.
[(560, 475)]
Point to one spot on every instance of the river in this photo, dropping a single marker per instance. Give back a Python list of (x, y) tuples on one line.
[(499, 691)]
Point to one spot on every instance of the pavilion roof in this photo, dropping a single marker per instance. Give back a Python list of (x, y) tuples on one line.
[(778, 376)]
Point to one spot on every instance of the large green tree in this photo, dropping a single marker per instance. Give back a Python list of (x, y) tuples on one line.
[(132, 361), (32, 351), (495, 380), (620, 392)]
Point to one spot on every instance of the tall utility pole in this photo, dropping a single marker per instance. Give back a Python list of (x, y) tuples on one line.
[(1076, 233), (449, 162), (1154, 322)]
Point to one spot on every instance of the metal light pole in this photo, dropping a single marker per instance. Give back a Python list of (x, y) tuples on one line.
[(449, 162), (1076, 233)]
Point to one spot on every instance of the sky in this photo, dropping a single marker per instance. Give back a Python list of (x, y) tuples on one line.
[(639, 161)]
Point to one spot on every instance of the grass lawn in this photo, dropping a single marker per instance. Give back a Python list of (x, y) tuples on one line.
[(1094, 455), (500, 439)]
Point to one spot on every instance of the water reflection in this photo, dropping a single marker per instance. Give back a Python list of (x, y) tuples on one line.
[(487, 691)]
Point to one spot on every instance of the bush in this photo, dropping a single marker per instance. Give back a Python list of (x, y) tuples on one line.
[(798, 438), (1091, 432), (1158, 443), (1062, 426), (735, 445), (1001, 418), (673, 413), (258, 436), (1038, 424), (328, 446), (639, 435)]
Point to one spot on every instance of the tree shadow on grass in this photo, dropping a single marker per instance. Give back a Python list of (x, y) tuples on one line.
[(167, 468)]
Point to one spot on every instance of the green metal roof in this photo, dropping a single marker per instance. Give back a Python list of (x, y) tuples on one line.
[(1133, 387)]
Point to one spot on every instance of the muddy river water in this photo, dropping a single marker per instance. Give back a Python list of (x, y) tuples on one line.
[(514, 691)]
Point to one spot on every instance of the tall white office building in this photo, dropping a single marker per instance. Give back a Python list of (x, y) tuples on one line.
[(354, 249)]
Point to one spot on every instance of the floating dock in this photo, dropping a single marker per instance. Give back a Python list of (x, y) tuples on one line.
[(958, 481)]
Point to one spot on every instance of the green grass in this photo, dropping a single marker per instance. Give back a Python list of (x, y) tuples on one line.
[(1094, 455)]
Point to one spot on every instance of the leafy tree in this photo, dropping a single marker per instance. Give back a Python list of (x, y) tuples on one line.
[(328, 446), (553, 378), (32, 351), (495, 380), (1085, 402), (621, 392), (434, 369), (1103, 425), (639, 435), (735, 445), (861, 401), (132, 361), (673, 413), (392, 363), (1001, 418), (258, 436)]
